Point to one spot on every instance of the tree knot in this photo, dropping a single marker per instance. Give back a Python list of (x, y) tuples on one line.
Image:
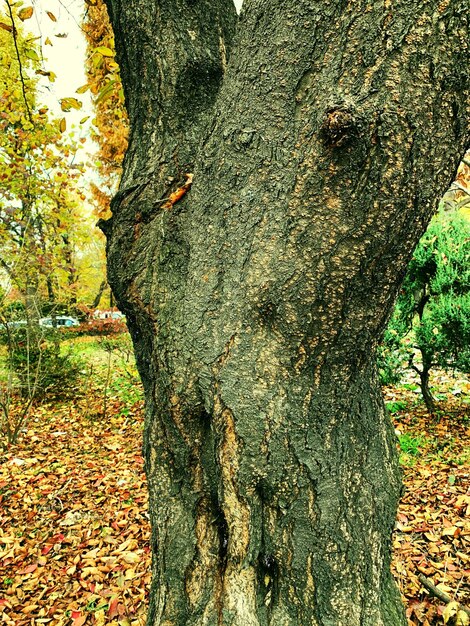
[(338, 127)]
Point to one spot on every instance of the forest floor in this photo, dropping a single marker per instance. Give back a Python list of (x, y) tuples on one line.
[(74, 530)]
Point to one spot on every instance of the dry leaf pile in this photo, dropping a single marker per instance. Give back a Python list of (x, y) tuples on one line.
[(74, 532), (432, 535)]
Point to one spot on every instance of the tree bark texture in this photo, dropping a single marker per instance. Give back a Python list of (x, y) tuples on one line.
[(320, 136)]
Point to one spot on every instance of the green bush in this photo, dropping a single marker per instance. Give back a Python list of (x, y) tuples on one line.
[(392, 355), (430, 326), (40, 364)]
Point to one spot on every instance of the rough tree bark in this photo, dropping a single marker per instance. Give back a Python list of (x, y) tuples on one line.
[(320, 136)]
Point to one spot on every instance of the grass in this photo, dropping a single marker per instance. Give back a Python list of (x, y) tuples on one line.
[(98, 367), (410, 447), (396, 407)]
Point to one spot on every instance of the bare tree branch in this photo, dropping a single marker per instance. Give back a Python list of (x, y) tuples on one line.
[(437, 593), (15, 40)]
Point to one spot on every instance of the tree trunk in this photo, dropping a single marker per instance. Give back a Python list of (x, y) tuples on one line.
[(99, 294), (424, 381), (426, 391), (255, 302)]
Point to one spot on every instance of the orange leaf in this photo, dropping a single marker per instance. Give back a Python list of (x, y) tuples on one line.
[(113, 608), (29, 569), (26, 13), (51, 16)]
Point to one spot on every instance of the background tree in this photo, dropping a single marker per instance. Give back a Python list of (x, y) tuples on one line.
[(433, 307), (319, 137), (110, 128), (110, 124), (39, 206)]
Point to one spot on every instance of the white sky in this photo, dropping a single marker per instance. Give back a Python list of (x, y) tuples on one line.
[(66, 56)]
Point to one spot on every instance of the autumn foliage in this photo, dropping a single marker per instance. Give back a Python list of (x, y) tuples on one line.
[(39, 197), (110, 123)]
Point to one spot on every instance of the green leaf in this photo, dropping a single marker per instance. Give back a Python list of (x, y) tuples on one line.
[(31, 54)]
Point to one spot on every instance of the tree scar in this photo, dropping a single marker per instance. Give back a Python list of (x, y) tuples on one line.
[(176, 196)]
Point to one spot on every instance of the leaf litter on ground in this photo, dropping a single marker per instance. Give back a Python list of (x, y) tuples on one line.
[(432, 535), (74, 529)]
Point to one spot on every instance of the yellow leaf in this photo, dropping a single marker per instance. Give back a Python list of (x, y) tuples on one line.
[(91, 554), (106, 92), (461, 619), (100, 618), (31, 54), (26, 13), (131, 557), (51, 16), (48, 42), (84, 119), (62, 125), (43, 73), (450, 611), (104, 51), (70, 103), (83, 88)]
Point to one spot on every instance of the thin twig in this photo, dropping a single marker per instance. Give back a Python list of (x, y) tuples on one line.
[(72, 16), (437, 593), (14, 32)]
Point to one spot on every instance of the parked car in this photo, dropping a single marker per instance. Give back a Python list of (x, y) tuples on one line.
[(60, 321), (16, 324), (107, 314)]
